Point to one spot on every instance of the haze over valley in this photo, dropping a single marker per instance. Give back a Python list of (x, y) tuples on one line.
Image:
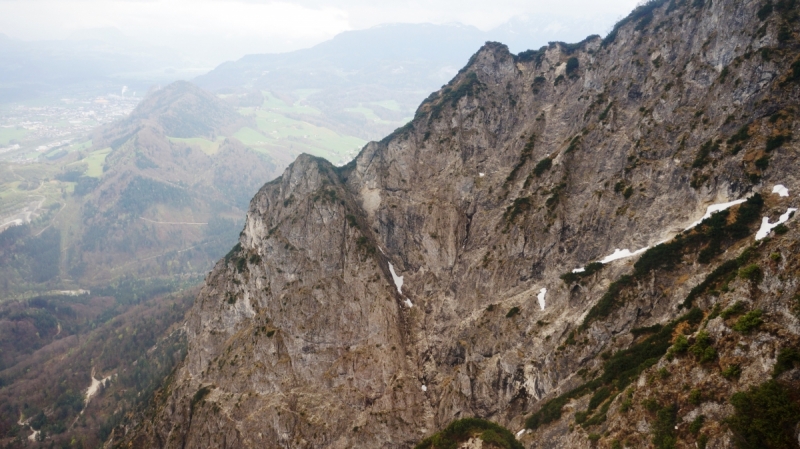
[(310, 224)]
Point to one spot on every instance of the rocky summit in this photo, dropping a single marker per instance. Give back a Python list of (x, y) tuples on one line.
[(591, 245)]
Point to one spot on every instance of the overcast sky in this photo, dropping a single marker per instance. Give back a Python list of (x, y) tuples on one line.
[(231, 28)]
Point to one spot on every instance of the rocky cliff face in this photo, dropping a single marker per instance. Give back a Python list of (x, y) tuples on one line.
[(370, 305)]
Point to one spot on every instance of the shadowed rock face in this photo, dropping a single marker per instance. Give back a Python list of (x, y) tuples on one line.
[(300, 337)]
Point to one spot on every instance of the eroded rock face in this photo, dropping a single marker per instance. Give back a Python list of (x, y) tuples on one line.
[(303, 337)]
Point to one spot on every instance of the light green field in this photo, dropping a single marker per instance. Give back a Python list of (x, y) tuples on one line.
[(392, 105), (280, 131), (305, 93), (275, 104), (9, 134), (250, 136), (370, 115), (95, 162), (208, 147)]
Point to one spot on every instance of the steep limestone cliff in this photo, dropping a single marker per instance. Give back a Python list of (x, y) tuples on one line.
[(371, 305)]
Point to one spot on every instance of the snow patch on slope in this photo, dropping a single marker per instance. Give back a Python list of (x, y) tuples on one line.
[(541, 296), (622, 254), (398, 280), (781, 190), (767, 227), (716, 208)]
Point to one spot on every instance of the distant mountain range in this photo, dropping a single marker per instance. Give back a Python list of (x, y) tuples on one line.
[(347, 76), (421, 57)]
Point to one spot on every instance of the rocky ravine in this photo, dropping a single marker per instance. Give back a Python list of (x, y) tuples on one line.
[(369, 306)]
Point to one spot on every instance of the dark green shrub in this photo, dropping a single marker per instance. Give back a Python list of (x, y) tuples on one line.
[(702, 349), (599, 397), (572, 66), (463, 429), (701, 159), (788, 358), (780, 229), (527, 151), (765, 417), (627, 192), (588, 270), (732, 372), (762, 163), (542, 166), (664, 427), (775, 142), (695, 397), (637, 331), (737, 308), (519, 206), (199, 396), (603, 115), (752, 273), (608, 301), (696, 425), (680, 347), (764, 11), (663, 256), (795, 74), (512, 312), (750, 321)]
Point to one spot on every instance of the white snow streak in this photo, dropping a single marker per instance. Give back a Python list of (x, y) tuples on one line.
[(541, 296), (424, 388), (398, 280), (781, 190), (579, 270), (767, 227), (716, 208), (520, 433), (409, 303), (481, 174), (622, 254)]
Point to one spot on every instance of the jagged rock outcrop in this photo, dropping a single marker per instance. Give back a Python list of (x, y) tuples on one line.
[(370, 305)]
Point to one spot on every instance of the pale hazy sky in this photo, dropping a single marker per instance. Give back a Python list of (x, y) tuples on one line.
[(259, 26)]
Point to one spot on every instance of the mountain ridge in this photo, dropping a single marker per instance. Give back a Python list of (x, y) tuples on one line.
[(418, 267)]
